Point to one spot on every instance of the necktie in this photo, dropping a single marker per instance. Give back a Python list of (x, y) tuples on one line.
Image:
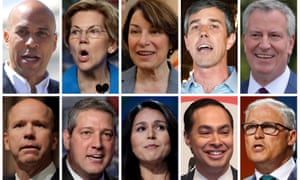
[(263, 90), (267, 177)]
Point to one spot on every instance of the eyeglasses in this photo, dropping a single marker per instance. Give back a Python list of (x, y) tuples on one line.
[(269, 128), (93, 32)]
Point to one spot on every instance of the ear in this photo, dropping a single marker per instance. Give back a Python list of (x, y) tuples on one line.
[(292, 137), (186, 42), (6, 140), (291, 45), (6, 38), (66, 139), (187, 138), (230, 41), (113, 47), (54, 140), (55, 42)]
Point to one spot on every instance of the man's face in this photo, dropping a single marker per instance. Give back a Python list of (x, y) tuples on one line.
[(267, 45), (211, 138), (30, 39), (91, 145), (29, 136), (267, 150), (206, 39)]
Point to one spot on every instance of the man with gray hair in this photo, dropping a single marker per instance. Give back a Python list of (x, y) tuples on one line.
[(270, 136), (268, 37), (89, 140)]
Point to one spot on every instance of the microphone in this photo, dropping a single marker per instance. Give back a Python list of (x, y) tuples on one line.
[(102, 88)]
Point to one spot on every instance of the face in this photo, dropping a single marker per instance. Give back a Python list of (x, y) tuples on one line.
[(148, 46), (30, 39), (91, 145), (150, 139), (206, 39), (211, 138), (89, 50), (266, 149), (266, 44), (29, 135)]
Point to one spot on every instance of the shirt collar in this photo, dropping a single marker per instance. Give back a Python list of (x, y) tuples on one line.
[(277, 86), (282, 172), (21, 84), (75, 175), (227, 175), (46, 173)]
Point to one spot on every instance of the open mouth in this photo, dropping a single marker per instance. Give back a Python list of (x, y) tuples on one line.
[(204, 47), (145, 53), (264, 56), (96, 156), (84, 53), (29, 58)]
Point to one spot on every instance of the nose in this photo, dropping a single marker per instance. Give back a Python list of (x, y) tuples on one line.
[(264, 43), (83, 37), (216, 140), (151, 133), (144, 39), (96, 141), (31, 42), (203, 31), (29, 132), (259, 133)]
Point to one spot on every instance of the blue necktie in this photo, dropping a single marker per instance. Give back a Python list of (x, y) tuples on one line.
[(267, 177)]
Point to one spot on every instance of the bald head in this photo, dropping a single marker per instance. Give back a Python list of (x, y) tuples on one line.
[(28, 9)]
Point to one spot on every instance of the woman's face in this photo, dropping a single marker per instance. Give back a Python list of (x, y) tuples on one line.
[(89, 42), (148, 46), (150, 139)]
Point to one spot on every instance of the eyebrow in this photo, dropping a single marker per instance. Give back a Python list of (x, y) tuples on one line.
[(155, 122), (210, 20)]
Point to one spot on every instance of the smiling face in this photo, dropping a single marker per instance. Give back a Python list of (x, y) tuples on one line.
[(88, 49), (150, 139), (206, 38), (91, 145), (30, 39), (29, 136), (211, 138), (267, 150), (148, 46), (267, 45)]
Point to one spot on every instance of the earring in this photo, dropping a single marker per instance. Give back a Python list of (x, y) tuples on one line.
[(170, 52)]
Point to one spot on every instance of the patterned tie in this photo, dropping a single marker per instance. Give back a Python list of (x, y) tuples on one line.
[(267, 177), (262, 91)]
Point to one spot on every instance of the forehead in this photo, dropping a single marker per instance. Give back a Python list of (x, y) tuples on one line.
[(148, 115), (29, 109), (210, 116), (208, 13), (31, 16), (264, 113), (94, 118), (94, 17)]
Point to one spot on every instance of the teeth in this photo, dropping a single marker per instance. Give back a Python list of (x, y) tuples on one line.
[(204, 46), (263, 56), (215, 152), (30, 59), (96, 156), (145, 53)]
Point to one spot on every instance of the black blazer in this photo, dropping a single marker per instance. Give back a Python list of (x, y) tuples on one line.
[(67, 175), (8, 87), (190, 175)]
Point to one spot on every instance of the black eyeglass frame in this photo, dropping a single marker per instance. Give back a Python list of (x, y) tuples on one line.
[(263, 126)]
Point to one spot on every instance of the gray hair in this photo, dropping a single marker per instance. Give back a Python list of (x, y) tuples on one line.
[(267, 6), (87, 104), (287, 113), (199, 5)]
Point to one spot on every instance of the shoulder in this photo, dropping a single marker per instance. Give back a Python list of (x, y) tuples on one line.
[(244, 86)]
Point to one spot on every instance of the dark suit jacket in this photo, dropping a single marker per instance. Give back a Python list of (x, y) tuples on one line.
[(291, 86), (190, 175), (292, 176), (54, 177), (67, 175), (8, 87)]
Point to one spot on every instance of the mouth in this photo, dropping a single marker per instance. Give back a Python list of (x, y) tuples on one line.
[(204, 47), (95, 156), (151, 146), (30, 58), (30, 147), (83, 55), (258, 147), (145, 53), (264, 56)]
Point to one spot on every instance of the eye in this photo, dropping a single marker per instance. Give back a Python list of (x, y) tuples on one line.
[(134, 31), (160, 127), (155, 31), (75, 31), (140, 129), (42, 34), (22, 32), (18, 125), (214, 26)]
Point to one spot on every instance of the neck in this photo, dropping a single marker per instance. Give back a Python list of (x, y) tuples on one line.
[(154, 171), (27, 171), (209, 78), (211, 173)]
